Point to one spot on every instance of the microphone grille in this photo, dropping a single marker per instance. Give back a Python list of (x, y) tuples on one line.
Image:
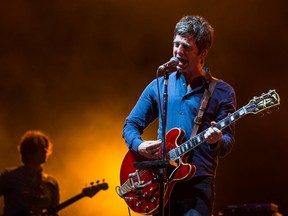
[(175, 59)]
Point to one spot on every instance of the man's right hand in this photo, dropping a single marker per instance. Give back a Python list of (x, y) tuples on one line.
[(150, 149)]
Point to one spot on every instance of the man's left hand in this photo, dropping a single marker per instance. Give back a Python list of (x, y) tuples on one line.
[(213, 134)]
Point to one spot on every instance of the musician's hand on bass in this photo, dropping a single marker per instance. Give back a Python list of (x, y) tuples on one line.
[(150, 149)]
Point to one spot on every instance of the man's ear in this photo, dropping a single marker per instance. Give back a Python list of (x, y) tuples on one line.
[(203, 54)]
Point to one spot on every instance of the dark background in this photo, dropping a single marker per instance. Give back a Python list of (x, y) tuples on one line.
[(74, 69)]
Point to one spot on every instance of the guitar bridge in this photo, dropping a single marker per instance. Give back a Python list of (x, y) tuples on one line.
[(133, 183)]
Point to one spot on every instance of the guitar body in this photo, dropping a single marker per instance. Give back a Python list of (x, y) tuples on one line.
[(140, 188)]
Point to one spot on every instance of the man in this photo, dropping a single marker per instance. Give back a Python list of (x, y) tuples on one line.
[(193, 38), (27, 190)]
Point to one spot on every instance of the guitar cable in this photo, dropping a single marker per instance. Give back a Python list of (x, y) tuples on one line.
[(117, 189), (129, 213)]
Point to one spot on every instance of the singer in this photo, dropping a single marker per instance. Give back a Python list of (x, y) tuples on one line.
[(193, 37)]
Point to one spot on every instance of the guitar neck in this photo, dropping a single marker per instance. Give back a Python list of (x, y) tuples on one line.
[(66, 203), (87, 191), (199, 138)]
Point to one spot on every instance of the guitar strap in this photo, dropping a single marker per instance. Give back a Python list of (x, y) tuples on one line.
[(206, 96)]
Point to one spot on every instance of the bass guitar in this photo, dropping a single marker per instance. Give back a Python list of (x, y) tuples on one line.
[(86, 192), (140, 187)]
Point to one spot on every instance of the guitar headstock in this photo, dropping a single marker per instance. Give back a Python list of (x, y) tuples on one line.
[(263, 102), (94, 188)]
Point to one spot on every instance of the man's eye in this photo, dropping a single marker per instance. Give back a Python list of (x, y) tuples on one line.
[(188, 48), (185, 46)]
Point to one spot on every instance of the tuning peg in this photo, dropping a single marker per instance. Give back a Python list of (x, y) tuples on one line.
[(97, 181), (91, 183)]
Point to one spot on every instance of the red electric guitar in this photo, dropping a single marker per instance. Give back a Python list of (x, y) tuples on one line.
[(140, 188)]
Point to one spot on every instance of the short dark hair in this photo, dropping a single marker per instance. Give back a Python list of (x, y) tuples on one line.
[(32, 141), (199, 28)]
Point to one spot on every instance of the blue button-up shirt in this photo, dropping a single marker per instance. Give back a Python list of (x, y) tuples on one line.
[(182, 108)]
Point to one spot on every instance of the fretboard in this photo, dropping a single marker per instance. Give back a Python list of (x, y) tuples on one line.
[(193, 142), (65, 204)]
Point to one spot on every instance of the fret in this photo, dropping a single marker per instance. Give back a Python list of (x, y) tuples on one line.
[(178, 151), (232, 118), (186, 146), (201, 135), (190, 143), (181, 150), (198, 139), (242, 111), (237, 115), (220, 124)]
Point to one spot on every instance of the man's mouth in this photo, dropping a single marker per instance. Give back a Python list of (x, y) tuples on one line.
[(182, 62)]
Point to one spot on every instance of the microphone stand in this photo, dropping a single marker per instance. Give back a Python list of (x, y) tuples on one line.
[(163, 157), (162, 164)]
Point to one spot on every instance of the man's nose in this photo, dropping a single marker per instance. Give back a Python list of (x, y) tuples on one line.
[(180, 50)]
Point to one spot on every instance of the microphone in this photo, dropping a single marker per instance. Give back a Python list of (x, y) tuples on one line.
[(174, 61)]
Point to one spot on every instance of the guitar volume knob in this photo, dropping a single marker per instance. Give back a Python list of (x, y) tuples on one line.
[(146, 209), (153, 200), (138, 203)]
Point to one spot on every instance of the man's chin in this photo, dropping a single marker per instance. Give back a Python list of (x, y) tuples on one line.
[(180, 69)]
